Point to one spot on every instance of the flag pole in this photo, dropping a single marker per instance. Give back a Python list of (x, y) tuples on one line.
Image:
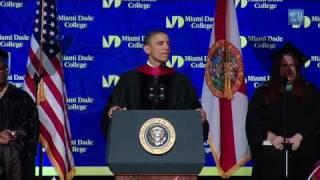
[(36, 80), (285, 131), (40, 90), (39, 83)]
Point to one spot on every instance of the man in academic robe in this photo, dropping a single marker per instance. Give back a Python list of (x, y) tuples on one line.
[(18, 129), (155, 86)]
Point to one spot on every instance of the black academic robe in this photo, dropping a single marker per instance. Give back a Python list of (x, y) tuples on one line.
[(134, 91), (302, 117), (18, 113)]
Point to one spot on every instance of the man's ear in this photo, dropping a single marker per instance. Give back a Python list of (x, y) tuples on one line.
[(146, 49)]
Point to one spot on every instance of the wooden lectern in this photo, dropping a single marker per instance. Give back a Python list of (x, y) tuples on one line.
[(155, 144)]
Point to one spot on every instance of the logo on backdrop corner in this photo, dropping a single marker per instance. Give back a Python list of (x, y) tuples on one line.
[(176, 61), (307, 63), (174, 21), (242, 3), (295, 17), (306, 23), (111, 3), (243, 41), (111, 41), (112, 80)]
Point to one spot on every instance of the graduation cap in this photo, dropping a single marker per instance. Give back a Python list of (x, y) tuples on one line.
[(4, 57), (3, 54), (290, 49)]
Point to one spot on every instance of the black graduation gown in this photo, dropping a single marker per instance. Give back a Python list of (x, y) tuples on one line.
[(303, 118), (133, 91), (18, 113)]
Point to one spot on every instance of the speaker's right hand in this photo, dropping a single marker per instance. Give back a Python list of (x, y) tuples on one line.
[(113, 109)]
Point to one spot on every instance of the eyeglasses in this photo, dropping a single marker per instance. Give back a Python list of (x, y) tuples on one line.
[(287, 65)]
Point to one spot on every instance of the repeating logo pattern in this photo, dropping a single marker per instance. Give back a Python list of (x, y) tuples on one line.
[(110, 81), (111, 3)]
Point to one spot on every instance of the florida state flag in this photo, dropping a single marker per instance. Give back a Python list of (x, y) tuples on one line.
[(224, 94)]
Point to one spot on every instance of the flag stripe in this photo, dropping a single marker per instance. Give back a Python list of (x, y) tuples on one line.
[(220, 20), (58, 95), (227, 157), (69, 149), (54, 118), (29, 86), (50, 113), (49, 64), (56, 140), (240, 137), (44, 132), (50, 143)]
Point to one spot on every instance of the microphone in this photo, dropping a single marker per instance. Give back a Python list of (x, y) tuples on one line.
[(162, 89), (153, 90), (289, 87), (151, 93), (285, 82), (157, 91)]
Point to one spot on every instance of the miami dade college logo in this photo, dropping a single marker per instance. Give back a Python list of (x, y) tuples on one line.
[(175, 21), (111, 41), (112, 80), (177, 61), (224, 69), (157, 136), (109, 3)]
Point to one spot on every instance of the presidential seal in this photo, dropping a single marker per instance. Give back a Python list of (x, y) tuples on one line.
[(157, 136), (224, 69)]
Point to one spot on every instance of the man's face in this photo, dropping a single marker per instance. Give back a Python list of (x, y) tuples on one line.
[(158, 49), (288, 68), (3, 73)]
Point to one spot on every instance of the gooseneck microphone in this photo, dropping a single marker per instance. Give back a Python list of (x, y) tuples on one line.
[(285, 82), (162, 89), (157, 91)]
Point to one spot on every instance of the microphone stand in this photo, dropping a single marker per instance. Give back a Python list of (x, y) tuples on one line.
[(285, 125), (36, 80)]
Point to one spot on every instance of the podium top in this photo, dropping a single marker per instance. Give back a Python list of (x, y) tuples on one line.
[(126, 151)]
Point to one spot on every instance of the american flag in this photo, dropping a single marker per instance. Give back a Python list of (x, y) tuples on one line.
[(44, 62)]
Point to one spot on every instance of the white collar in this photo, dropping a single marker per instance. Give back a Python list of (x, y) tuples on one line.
[(149, 64)]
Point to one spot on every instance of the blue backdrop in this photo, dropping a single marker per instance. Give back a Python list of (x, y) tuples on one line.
[(103, 38)]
